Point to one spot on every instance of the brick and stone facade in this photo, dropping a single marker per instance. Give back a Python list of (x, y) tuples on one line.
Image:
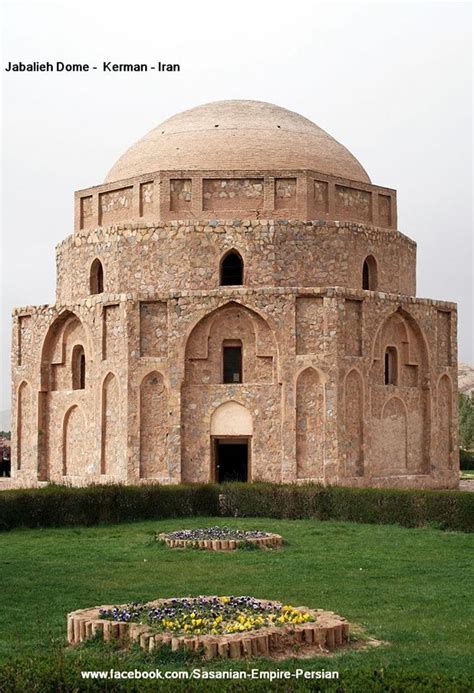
[(345, 376)]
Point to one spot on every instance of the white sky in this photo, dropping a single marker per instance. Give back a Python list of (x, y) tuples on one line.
[(391, 81)]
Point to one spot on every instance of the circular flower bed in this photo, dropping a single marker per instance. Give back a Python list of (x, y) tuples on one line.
[(219, 538), (221, 626), (208, 615)]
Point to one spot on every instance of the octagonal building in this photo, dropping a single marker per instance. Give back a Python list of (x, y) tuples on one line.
[(236, 302)]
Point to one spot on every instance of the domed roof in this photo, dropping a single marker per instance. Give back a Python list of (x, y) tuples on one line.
[(237, 135)]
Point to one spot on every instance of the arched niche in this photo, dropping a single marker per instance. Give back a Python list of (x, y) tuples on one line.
[(24, 426), (153, 427), (309, 425), (65, 333), (75, 442), (112, 443), (231, 323), (400, 333), (231, 419), (354, 423)]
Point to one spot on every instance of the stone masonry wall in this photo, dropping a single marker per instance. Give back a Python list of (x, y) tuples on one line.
[(202, 195), (321, 412), (186, 256), (231, 193)]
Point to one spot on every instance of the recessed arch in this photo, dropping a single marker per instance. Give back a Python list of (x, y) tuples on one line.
[(24, 425), (231, 419), (75, 454), (231, 271), (66, 330), (235, 323), (354, 422), (409, 323), (96, 277), (310, 419), (110, 417), (153, 426), (369, 274)]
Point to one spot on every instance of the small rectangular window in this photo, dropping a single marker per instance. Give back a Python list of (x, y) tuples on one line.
[(232, 358)]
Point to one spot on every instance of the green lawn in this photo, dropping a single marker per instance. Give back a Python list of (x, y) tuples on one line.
[(410, 587)]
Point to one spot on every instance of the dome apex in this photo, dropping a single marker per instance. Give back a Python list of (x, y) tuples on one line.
[(237, 135)]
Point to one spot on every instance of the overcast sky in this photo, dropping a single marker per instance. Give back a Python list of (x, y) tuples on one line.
[(391, 81)]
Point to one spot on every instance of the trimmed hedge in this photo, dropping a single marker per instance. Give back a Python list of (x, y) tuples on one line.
[(56, 506), (453, 510)]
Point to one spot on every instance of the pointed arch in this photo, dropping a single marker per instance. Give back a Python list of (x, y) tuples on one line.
[(408, 362), (65, 331), (230, 323), (24, 426), (74, 442), (153, 426), (369, 274), (354, 423), (111, 443), (310, 406), (96, 277), (231, 271)]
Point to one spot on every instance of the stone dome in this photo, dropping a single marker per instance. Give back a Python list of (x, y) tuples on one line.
[(237, 135)]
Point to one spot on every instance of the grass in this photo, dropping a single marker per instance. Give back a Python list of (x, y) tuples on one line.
[(409, 587), (467, 474)]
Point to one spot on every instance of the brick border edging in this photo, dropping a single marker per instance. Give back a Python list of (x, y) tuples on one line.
[(272, 541), (327, 631)]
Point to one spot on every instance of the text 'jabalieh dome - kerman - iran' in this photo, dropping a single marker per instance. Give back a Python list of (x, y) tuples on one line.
[(236, 303)]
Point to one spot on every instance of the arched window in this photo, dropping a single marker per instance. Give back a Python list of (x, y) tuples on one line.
[(97, 277), (78, 363), (369, 274), (391, 366), (232, 269)]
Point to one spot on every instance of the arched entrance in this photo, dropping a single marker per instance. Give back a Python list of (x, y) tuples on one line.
[(231, 438)]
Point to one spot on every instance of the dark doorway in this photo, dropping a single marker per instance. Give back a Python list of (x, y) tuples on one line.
[(231, 460)]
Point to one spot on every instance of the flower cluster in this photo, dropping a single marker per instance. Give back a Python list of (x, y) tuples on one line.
[(217, 533), (208, 615)]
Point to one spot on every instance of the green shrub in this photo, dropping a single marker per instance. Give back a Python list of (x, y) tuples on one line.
[(466, 421), (410, 508), (466, 459), (57, 506)]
